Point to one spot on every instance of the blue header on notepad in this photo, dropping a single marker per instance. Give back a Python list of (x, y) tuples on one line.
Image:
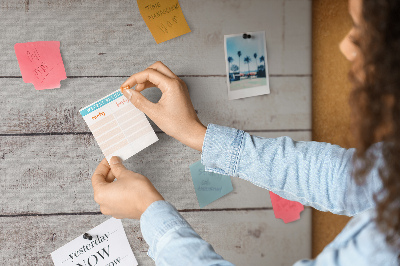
[(100, 103)]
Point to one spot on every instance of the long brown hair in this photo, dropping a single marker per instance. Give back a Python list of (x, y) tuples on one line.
[(375, 102)]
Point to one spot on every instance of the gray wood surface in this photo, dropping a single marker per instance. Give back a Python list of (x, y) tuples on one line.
[(52, 174), (103, 38), (243, 237), (47, 153), (25, 110)]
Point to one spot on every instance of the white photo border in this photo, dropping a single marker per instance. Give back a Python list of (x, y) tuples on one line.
[(248, 92)]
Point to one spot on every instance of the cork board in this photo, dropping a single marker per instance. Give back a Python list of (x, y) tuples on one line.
[(331, 89)]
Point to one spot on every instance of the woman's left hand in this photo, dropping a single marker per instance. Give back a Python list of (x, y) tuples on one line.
[(127, 197)]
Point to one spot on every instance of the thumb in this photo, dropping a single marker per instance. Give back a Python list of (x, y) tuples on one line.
[(117, 167), (100, 174), (138, 100)]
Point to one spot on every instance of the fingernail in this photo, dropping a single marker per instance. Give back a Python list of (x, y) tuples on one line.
[(128, 94), (124, 88), (115, 160)]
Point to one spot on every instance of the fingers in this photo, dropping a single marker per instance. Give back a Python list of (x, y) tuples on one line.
[(160, 67), (160, 80), (117, 167), (156, 75), (100, 174), (142, 86), (110, 177), (140, 102)]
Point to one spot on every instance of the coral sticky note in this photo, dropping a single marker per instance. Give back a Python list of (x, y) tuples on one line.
[(209, 186), (164, 18), (284, 209), (41, 63)]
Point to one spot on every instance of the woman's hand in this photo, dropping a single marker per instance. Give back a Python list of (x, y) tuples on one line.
[(174, 112), (127, 197)]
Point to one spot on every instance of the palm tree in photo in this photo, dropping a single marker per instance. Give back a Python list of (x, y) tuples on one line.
[(247, 60), (255, 60), (239, 55), (230, 60), (262, 59), (234, 68)]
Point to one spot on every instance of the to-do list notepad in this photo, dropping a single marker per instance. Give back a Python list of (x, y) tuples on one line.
[(118, 126)]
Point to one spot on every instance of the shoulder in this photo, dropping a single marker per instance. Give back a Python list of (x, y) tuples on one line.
[(361, 241)]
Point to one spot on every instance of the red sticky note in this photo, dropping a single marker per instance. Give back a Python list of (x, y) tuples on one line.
[(284, 209), (41, 64)]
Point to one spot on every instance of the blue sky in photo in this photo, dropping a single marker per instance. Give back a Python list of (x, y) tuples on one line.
[(256, 44)]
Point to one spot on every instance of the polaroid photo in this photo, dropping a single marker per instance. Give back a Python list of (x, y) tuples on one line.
[(246, 64)]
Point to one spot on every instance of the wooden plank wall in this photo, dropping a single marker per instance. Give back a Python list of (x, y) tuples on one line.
[(47, 153)]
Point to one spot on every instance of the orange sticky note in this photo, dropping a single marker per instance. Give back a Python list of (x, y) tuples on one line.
[(41, 63), (164, 18)]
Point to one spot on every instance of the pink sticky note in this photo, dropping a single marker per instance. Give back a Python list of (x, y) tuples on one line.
[(41, 64), (284, 209)]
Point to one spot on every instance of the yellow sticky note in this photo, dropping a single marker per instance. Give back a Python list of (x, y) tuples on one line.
[(164, 18)]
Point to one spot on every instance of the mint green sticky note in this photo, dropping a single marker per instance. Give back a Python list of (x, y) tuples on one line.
[(209, 186)]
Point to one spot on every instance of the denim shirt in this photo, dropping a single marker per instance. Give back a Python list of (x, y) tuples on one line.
[(312, 173)]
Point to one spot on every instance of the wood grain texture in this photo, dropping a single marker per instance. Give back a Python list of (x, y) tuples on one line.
[(103, 38), (331, 88), (47, 154), (242, 237), (287, 107), (51, 174)]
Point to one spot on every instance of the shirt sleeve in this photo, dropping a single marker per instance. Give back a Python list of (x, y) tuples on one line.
[(172, 241), (313, 173), (360, 243)]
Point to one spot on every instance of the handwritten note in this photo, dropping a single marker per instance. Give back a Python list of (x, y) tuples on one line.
[(41, 64), (118, 126), (109, 246), (164, 18), (209, 186), (284, 209)]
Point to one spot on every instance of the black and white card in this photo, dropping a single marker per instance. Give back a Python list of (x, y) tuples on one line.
[(109, 246)]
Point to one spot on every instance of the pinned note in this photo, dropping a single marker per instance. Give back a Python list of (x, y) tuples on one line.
[(41, 64), (118, 126), (108, 246), (209, 186), (164, 18), (284, 209)]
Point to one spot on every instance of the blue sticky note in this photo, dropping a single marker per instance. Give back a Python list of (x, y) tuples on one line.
[(209, 186)]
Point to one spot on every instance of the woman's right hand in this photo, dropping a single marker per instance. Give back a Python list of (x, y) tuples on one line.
[(174, 112)]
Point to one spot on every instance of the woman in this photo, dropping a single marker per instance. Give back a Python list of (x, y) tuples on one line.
[(362, 181)]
